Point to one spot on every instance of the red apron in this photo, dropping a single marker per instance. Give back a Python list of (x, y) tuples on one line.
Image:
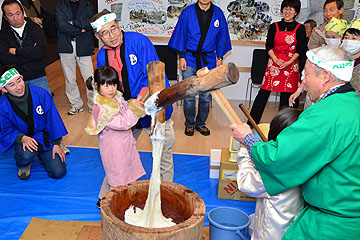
[(286, 79)]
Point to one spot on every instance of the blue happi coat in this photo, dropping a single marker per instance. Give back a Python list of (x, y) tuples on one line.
[(139, 51), (46, 118), (187, 34)]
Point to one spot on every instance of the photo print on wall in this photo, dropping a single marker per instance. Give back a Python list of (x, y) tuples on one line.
[(248, 20)]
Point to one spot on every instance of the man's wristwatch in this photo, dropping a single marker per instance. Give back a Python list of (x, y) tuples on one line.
[(220, 58)]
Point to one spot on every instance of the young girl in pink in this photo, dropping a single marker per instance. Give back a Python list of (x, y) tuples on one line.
[(112, 119)]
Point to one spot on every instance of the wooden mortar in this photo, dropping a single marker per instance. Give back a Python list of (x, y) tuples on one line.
[(181, 204)]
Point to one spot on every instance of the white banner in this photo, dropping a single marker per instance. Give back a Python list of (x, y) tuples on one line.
[(248, 20)]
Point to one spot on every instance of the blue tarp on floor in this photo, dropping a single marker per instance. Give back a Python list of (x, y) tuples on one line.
[(74, 196)]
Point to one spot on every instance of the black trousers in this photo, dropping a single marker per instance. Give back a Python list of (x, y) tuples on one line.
[(261, 99)]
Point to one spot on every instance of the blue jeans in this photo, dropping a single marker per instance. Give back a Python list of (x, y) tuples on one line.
[(55, 168), (189, 104), (41, 82)]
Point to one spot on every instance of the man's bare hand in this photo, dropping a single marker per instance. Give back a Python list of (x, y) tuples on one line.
[(37, 21), (182, 64), (240, 131), (29, 143), (57, 150), (12, 51)]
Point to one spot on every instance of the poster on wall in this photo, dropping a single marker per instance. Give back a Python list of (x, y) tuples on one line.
[(248, 20)]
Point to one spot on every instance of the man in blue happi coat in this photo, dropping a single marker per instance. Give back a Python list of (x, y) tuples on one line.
[(129, 53), (30, 122), (201, 38)]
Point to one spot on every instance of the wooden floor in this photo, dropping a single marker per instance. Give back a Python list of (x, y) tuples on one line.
[(197, 144)]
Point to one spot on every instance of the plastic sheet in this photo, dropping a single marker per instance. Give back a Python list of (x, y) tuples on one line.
[(74, 196)]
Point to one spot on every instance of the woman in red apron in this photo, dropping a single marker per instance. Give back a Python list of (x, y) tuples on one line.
[(285, 42)]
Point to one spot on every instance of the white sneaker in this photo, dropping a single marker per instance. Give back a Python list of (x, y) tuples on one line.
[(74, 110)]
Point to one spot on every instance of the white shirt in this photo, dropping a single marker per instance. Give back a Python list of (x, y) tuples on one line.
[(19, 30)]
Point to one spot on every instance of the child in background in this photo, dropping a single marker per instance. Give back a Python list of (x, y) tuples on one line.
[(273, 214), (351, 43), (334, 31), (112, 119)]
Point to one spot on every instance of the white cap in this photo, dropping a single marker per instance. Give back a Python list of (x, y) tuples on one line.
[(341, 69)]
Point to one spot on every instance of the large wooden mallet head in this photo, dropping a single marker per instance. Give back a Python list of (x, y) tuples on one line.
[(216, 78)]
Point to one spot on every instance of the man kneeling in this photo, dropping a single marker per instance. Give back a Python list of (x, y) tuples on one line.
[(30, 121)]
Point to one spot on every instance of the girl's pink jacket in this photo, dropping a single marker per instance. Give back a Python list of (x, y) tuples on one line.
[(112, 121)]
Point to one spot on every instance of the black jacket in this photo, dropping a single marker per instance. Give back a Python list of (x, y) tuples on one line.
[(30, 54), (66, 31)]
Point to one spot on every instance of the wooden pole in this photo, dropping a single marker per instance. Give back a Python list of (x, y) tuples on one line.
[(156, 78), (253, 123)]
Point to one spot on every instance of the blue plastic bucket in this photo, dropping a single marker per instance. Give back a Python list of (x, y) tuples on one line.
[(228, 223)]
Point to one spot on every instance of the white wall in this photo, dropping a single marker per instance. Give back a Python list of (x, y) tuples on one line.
[(242, 57)]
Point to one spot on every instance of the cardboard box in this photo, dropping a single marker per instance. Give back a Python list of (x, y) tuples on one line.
[(228, 188), (215, 156)]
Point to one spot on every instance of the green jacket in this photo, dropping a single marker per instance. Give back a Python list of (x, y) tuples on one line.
[(320, 152)]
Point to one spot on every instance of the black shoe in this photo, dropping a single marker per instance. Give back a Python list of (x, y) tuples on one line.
[(189, 130), (24, 172), (98, 204), (203, 130)]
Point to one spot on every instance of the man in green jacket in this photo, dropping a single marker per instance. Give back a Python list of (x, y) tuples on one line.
[(320, 152)]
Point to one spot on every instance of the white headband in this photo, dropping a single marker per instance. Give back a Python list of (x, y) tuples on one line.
[(7, 76), (101, 21), (341, 69)]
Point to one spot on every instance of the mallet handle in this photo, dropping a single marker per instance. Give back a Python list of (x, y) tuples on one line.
[(225, 106), (253, 123)]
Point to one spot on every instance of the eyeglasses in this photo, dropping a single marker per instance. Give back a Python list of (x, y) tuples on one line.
[(289, 9), (113, 30)]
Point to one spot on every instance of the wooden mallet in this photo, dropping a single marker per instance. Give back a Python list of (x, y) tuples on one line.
[(225, 106), (219, 77)]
